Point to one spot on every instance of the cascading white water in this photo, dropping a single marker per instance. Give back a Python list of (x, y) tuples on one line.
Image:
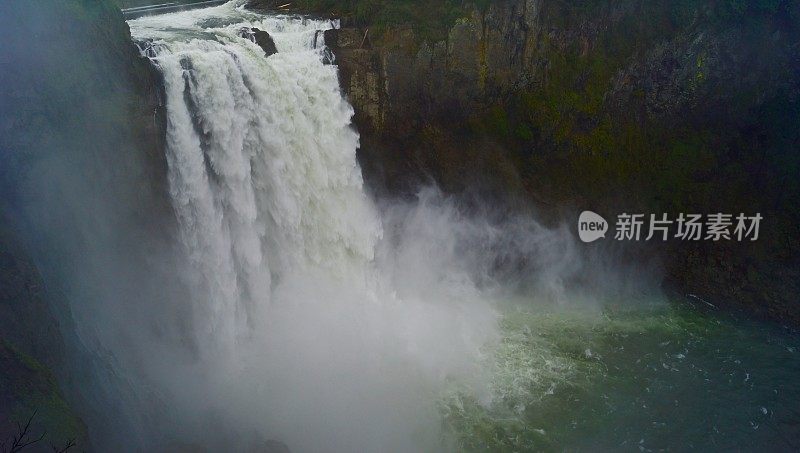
[(298, 330), (262, 164)]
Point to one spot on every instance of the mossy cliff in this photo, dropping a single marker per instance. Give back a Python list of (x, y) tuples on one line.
[(616, 106), (27, 386), (29, 392), (81, 146)]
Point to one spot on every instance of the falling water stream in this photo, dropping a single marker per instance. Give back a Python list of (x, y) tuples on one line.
[(330, 324), (299, 334)]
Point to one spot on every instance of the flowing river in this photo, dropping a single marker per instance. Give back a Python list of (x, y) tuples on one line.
[(329, 323)]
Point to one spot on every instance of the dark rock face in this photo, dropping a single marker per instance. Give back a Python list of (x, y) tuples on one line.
[(361, 76), (30, 345), (486, 56), (413, 98), (83, 188), (26, 319), (262, 38), (651, 107)]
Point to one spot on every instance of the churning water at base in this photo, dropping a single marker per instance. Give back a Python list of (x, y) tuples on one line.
[(318, 320), (659, 378)]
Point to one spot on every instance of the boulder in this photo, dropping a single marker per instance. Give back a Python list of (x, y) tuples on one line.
[(260, 37)]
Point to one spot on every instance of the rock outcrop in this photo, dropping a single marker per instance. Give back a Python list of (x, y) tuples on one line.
[(262, 38), (361, 75)]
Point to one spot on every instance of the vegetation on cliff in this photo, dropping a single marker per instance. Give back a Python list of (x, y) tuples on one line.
[(29, 392), (678, 107)]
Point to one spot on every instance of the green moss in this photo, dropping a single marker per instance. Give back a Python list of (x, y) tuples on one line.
[(594, 152), (523, 132), (32, 388), (497, 122)]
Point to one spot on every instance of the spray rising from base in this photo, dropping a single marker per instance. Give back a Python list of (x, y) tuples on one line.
[(298, 331)]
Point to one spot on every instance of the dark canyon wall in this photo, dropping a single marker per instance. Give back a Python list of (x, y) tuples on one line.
[(623, 106), (82, 176)]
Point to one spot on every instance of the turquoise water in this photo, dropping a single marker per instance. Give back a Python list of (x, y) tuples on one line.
[(661, 378)]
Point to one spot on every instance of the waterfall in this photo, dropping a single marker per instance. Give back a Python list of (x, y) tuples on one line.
[(303, 327), (262, 166)]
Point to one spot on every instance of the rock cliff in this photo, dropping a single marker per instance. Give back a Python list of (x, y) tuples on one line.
[(657, 106), (81, 145)]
